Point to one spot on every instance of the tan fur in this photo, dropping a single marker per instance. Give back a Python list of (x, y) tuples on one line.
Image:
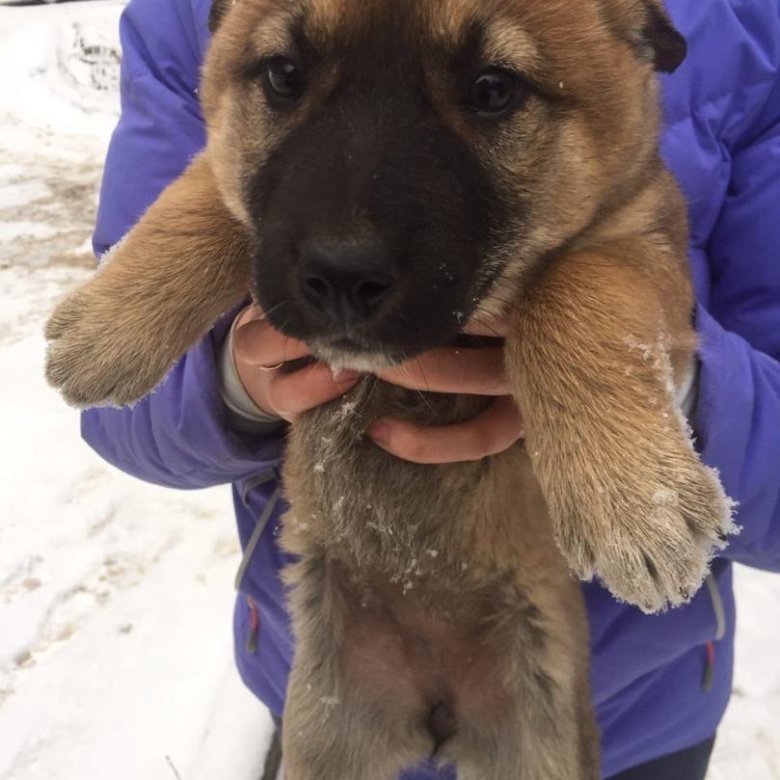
[(418, 585), (186, 238), (450, 564)]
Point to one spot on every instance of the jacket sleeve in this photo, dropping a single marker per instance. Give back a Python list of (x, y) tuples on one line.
[(177, 436), (738, 414)]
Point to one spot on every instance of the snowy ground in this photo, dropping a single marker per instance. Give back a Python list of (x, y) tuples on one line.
[(115, 597)]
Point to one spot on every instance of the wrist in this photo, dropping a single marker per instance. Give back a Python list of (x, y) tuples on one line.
[(243, 412)]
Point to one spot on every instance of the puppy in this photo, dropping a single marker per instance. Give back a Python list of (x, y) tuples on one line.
[(378, 174)]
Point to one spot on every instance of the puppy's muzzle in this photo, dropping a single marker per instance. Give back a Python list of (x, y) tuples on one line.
[(346, 283)]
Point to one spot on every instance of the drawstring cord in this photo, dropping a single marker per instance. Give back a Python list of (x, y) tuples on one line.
[(262, 522), (709, 667), (254, 626)]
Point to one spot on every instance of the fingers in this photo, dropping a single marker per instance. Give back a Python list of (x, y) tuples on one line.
[(491, 432), (290, 395), (257, 342), (464, 370), (259, 349)]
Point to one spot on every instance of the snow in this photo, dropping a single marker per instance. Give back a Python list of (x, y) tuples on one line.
[(116, 596)]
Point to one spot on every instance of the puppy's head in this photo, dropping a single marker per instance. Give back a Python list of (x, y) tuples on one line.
[(405, 164)]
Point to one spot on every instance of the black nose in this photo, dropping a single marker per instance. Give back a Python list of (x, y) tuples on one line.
[(347, 281)]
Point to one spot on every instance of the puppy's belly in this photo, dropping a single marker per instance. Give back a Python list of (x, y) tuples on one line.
[(409, 657)]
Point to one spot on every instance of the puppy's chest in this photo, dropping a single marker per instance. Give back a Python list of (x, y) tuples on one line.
[(368, 508)]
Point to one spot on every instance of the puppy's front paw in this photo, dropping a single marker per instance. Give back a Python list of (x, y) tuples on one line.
[(100, 356), (649, 532)]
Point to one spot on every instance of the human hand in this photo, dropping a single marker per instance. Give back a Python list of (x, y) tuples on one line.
[(260, 351), (462, 370)]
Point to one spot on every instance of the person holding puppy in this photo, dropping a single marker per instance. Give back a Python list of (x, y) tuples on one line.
[(660, 683)]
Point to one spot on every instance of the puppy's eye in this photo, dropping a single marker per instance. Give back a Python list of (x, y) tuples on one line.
[(283, 80), (495, 92)]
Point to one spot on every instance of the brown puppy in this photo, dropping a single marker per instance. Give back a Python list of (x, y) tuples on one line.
[(384, 171)]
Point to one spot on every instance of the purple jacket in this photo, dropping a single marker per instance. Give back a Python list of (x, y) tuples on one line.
[(723, 143)]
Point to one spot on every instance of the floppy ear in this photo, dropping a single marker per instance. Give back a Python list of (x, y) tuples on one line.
[(659, 40), (217, 11)]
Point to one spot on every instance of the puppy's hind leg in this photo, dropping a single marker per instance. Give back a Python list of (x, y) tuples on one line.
[(534, 745), (345, 737), (543, 726), (185, 263), (338, 725)]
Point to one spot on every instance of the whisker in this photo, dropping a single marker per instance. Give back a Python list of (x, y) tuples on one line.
[(420, 394), (422, 371), (487, 326), (274, 309)]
